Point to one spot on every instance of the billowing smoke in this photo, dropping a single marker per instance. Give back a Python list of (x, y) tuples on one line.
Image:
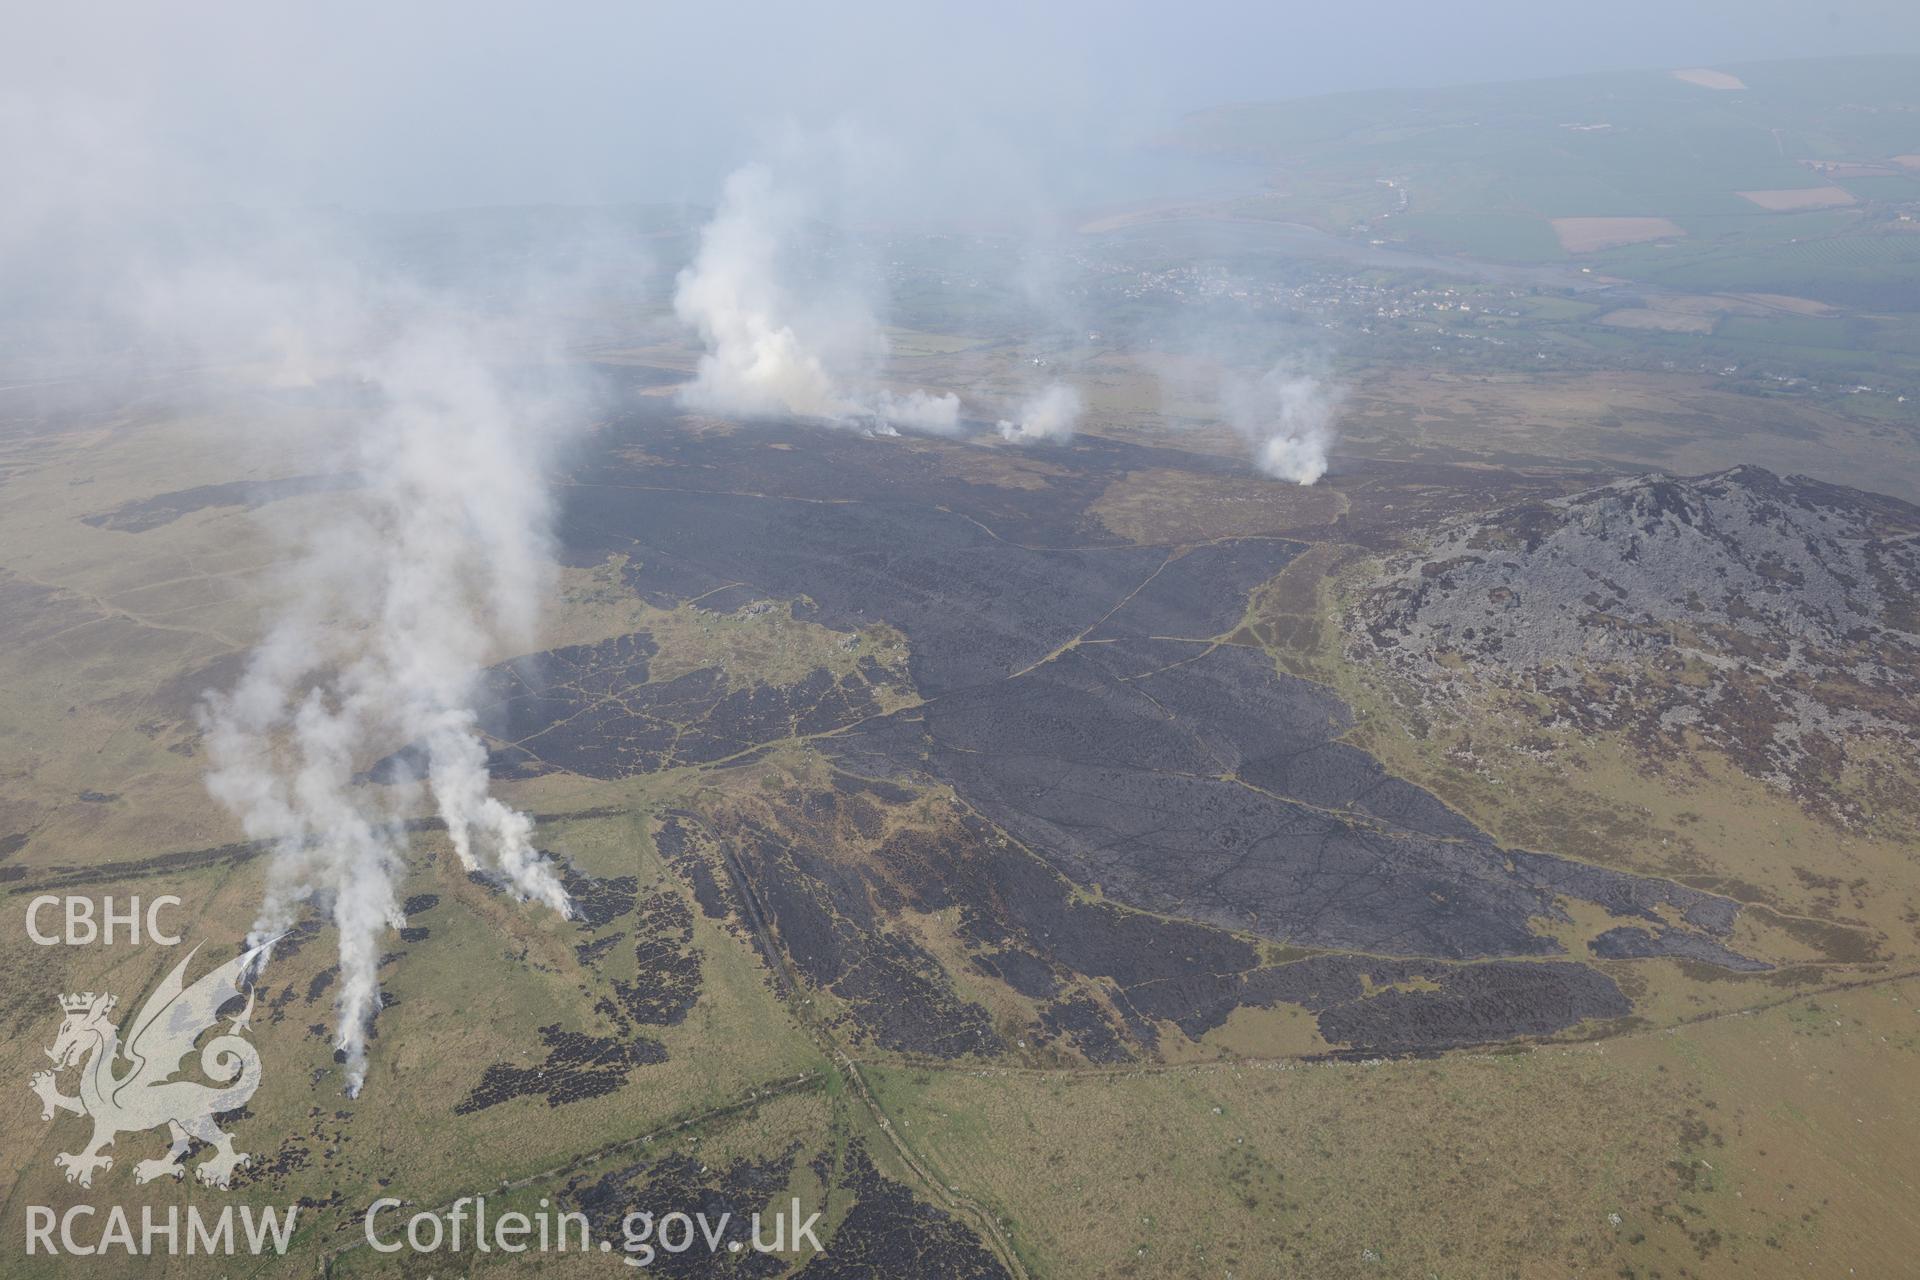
[(1050, 417), (313, 337), (401, 591), (917, 410), (1287, 416), (778, 341), (733, 294)]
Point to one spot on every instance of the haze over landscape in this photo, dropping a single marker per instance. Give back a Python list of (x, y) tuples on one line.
[(1095, 641)]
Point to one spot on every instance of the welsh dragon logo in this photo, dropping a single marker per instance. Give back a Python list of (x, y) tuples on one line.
[(144, 1095)]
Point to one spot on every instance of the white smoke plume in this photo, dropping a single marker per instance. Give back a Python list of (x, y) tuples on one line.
[(400, 593), (775, 345), (1288, 417), (1049, 416), (398, 590), (917, 410)]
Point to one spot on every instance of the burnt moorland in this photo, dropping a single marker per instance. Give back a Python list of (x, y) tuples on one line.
[(1108, 726)]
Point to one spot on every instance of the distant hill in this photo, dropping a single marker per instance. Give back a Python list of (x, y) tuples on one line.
[(1798, 177)]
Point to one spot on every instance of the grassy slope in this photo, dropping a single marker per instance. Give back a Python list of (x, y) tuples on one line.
[(1758, 1145)]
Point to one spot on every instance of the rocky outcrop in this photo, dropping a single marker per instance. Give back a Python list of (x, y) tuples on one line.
[(1774, 619)]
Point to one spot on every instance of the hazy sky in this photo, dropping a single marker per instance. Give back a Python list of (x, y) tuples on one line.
[(430, 103)]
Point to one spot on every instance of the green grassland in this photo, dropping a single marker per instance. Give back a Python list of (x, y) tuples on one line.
[(1764, 1144), (473, 992)]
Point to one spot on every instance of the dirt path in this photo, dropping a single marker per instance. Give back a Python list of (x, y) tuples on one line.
[(983, 1220)]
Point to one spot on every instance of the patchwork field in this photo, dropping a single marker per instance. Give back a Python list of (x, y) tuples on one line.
[(1652, 177), (1586, 235), (1665, 321), (1792, 199), (1707, 78)]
